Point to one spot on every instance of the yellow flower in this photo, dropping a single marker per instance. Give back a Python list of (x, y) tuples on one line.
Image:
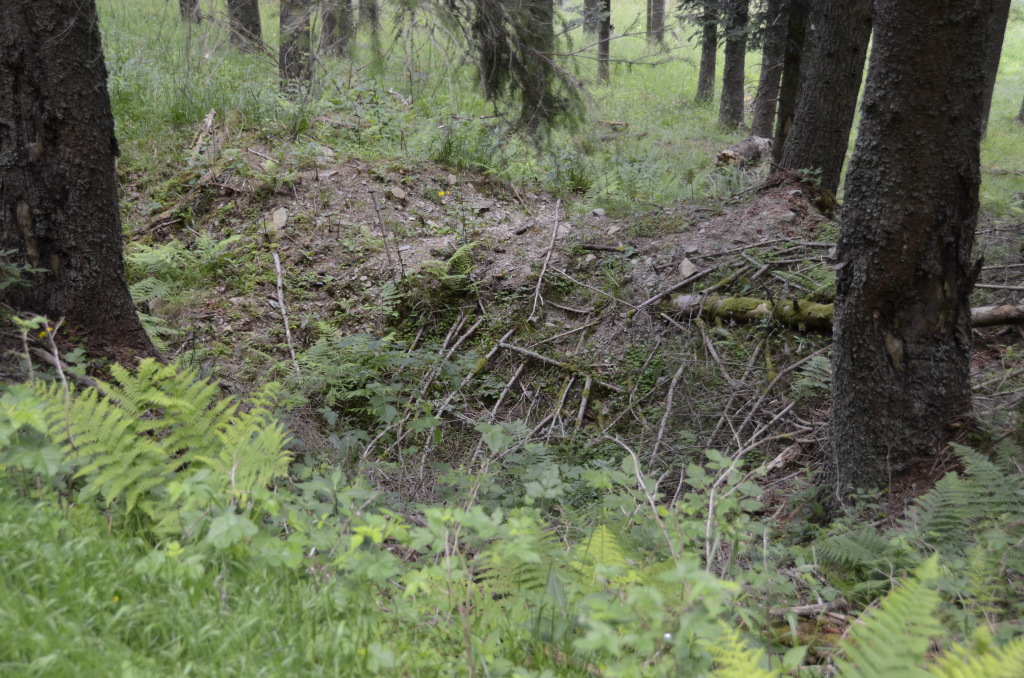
[(117, 599), (441, 193)]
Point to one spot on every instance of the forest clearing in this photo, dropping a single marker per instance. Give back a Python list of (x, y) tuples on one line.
[(479, 338)]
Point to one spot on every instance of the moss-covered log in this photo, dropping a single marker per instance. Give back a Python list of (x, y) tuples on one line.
[(805, 315)]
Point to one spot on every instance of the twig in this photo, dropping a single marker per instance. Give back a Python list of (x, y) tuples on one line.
[(813, 610), (384, 233), (567, 333), (584, 399), (661, 295), (771, 385), (547, 258), (1011, 288), (592, 288), (284, 313), (557, 363), (659, 441), (600, 248), (643, 487), (59, 364)]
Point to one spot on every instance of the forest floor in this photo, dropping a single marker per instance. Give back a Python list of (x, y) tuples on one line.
[(464, 262)]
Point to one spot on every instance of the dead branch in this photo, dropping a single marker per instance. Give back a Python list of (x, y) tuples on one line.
[(559, 364), (750, 151)]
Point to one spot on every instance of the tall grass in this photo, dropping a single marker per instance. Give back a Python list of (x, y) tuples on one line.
[(166, 75)]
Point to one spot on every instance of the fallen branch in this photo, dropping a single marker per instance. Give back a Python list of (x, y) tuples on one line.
[(813, 610), (750, 151), (284, 313), (547, 258), (559, 364), (806, 315)]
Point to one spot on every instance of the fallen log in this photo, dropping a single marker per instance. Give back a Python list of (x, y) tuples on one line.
[(750, 151), (806, 315)]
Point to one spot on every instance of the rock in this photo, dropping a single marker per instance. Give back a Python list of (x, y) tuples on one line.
[(452, 179), (687, 268), (613, 230), (280, 217), (598, 212), (787, 218), (690, 249), (589, 259), (481, 206), (397, 193)]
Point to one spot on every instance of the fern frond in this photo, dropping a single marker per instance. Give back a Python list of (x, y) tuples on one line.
[(982, 662), (892, 641), (733, 659)]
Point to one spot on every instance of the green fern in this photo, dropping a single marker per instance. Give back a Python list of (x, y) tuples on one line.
[(733, 659), (980, 660), (893, 640), (159, 425)]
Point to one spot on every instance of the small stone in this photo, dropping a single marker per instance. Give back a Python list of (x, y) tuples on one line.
[(687, 268), (613, 230), (280, 217), (482, 206), (787, 218), (795, 191), (363, 278), (690, 249), (397, 193), (589, 259), (451, 178), (598, 212)]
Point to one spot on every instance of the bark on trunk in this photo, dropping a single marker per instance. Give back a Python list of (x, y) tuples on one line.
[(902, 319), (592, 16), (58, 187), (993, 51), (1020, 116), (295, 57), (338, 27), (604, 36), (763, 118), (244, 19), (789, 90), (190, 11), (369, 13), (656, 20), (708, 56), (538, 73), (730, 111), (828, 96)]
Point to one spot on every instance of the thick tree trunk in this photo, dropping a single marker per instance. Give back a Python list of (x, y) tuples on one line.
[(295, 59), (58, 187), (1020, 116), (592, 16), (902, 319), (338, 27), (730, 111), (789, 90), (604, 36), (993, 51), (708, 55), (244, 19), (828, 95), (190, 11), (538, 70), (763, 122), (656, 20)]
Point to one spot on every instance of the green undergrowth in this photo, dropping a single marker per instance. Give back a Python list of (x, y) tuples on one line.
[(173, 530)]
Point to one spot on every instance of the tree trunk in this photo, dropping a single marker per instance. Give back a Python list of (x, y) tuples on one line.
[(828, 95), (730, 111), (604, 36), (1020, 116), (58, 186), (902, 320), (993, 51), (789, 90), (295, 56), (592, 16), (772, 55), (708, 55), (656, 21), (190, 11), (338, 27), (538, 69), (244, 19), (369, 14)]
